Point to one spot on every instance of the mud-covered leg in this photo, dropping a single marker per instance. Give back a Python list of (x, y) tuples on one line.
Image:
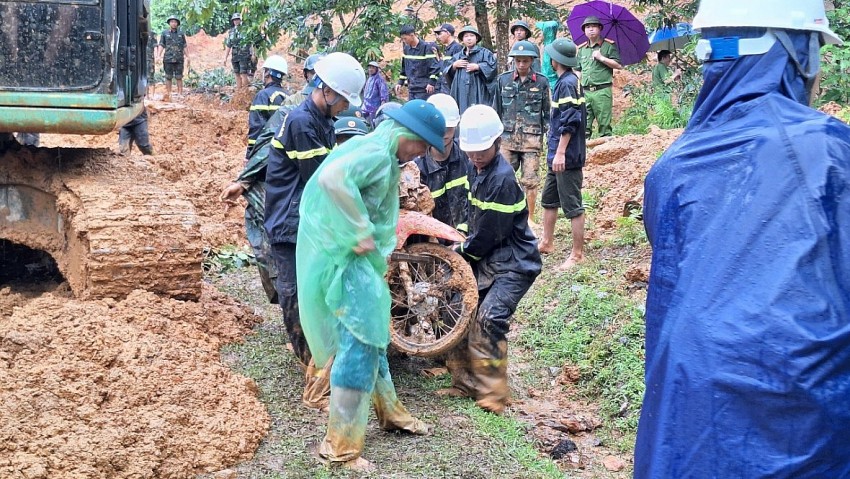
[(262, 250), (353, 376), (392, 415), (287, 290), (488, 345)]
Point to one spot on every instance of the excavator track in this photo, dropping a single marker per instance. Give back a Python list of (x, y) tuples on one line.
[(111, 224)]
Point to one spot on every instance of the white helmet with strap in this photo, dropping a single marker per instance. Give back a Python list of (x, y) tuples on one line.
[(343, 74), (480, 127), (276, 63), (804, 15)]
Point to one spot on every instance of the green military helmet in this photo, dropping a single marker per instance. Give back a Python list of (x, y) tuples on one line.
[(173, 18), (590, 20), (235, 16), (524, 48), (350, 125), (352, 111), (521, 24), (468, 29), (563, 51)]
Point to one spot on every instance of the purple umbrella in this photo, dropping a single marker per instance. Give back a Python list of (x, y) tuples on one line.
[(618, 24)]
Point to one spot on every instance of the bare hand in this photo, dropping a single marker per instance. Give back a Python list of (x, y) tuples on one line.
[(437, 54), (597, 55), (230, 194), (429, 89), (460, 64), (559, 163), (397, 90), (472, 67), (364, 246)]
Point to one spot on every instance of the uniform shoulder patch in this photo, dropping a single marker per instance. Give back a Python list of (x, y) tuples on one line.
[(610, 41), (582, 45)]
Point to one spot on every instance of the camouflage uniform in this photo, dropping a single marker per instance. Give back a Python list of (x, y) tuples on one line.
[(174, 44), (524, 109), (240, 51), (150, 55)]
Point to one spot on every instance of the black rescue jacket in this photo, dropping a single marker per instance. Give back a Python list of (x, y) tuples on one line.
[(500, 240), (449, 186)]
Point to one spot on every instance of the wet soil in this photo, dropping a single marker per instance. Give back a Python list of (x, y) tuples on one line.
[(121, 389)]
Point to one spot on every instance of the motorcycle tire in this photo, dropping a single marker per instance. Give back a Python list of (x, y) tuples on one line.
[(435, 318)]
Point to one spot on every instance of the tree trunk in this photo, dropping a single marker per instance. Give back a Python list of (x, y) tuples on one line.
[(482, 20), (502, 24)]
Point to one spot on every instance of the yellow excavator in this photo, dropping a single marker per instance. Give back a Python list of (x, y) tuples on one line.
[(109, 222)]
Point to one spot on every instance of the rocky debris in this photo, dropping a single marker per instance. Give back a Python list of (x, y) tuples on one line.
[(638, 273), (613, 463), (563, 448)]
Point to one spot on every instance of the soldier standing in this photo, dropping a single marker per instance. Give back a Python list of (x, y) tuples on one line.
[(419, 67), (446, 37), (472, 71), (151, 59), (522, 101), (520, 30), (598, 58), (175, 51), (239, 51)]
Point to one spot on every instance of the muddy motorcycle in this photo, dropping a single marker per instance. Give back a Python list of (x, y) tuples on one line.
[(433, 290)]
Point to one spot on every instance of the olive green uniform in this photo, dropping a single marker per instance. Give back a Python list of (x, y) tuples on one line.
[(596, 82), (173, 43), (660, 73), (150, 55)]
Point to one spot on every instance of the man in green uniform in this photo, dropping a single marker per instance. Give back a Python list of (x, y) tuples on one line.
[(239, 52), (661, 74), (175, 51), (522, 102), (598, 58)]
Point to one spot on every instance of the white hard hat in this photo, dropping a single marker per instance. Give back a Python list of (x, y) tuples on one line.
[(480, 127), (448, 107), (276, 63), (806, 15), (343, 74)]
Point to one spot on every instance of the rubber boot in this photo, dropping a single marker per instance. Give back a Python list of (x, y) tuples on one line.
[(531, 198), (391, 413), (489, 361), (317, 390), (458, 364), (347, 418), (124, 147)]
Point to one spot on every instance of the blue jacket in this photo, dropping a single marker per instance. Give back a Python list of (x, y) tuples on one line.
[(748, 312), (569, 115), (266, 102), (298, 149)]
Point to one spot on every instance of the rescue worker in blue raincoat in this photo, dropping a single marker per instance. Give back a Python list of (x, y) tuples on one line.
[(748, 214), (504, 257), (268, 100), (445, 173), (472, 71), (420, 69), (375, 93), (348, 223), (299, 147)]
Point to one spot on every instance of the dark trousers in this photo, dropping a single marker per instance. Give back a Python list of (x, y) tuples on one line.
[(497, 303), (287, 293), (135, 131)]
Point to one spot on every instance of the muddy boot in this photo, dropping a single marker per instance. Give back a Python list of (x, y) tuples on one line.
[(458, 364), (347, 418), (391, 413), (317, 390), (124, 148), (146, 150), (489, 360)]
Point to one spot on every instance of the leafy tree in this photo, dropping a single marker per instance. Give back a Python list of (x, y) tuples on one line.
[(835, 69), (214, 21)]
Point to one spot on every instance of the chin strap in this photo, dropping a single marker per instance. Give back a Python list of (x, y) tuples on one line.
[(814, 58)]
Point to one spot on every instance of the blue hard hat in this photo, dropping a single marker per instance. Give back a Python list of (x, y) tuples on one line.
[(423, 119)]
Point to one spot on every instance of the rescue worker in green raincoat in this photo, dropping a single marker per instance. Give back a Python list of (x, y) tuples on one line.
[(598, 58), (349, 212)]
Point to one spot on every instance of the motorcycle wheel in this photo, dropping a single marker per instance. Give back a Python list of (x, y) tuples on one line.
[(435, 318)]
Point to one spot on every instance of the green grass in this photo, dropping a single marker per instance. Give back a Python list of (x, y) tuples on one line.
[(585, 319)]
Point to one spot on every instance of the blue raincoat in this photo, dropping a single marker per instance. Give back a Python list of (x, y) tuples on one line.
[(748, 312)]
